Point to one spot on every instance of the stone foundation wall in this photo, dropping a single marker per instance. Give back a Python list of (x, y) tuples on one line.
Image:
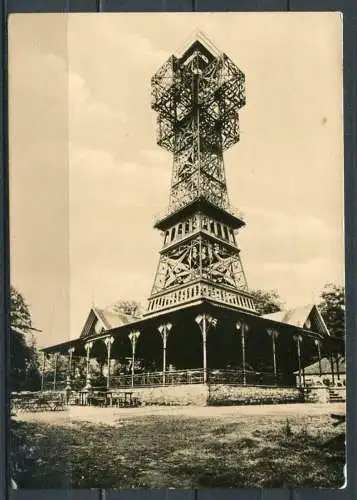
[(323, 394), (221, 394), (316, 395), (240, 395), (181, 395)]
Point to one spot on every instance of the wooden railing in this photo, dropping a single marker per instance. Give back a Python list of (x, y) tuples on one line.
[(238, 377), (200, 291), (195, 376), (178, 377)]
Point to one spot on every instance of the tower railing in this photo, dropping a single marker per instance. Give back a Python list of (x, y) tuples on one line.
[(197, 291), (159, 216)]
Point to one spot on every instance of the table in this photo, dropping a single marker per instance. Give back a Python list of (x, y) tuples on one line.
[(120, 399)]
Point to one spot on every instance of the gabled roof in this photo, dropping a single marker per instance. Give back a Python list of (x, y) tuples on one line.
[(108, 319), (314, 369), (300, 317), (113, 319)]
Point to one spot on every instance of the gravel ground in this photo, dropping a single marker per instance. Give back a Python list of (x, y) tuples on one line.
[(111, 415)]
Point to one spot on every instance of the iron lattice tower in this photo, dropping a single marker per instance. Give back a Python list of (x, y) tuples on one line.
[(197, 97)]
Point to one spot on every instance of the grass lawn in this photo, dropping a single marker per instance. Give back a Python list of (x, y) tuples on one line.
[(180, 451)]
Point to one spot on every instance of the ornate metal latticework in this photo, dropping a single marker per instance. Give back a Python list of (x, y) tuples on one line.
[(197, 97)]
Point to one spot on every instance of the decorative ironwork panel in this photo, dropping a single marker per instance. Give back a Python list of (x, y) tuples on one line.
[(199, 257), (221, 265)]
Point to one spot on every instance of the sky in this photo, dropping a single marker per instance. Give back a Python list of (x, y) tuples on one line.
[(87, 179)]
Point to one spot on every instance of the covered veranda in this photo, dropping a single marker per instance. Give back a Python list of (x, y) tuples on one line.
[(203, 343)]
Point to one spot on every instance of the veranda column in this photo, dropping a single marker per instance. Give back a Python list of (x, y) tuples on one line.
[(108, 342), (332, 369), (43, 364), (204, 321), (164, 330), (298, 339), (318, 347), (243, 329), (55, 359), (274, 335), (337, 367), (70, 354), (69, 368), (133, 337), (88, 347)]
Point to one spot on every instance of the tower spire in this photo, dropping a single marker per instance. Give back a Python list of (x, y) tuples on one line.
[(197, 95)]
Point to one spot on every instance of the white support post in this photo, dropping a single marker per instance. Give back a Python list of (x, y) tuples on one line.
[(133, 337), (318, 347), (70, 354), (164, 330), (298, 340), (88, 347), (108, 342), (204, 321), (69, 368), (43, 364), (55, 358), (274, 334), (243, 329)]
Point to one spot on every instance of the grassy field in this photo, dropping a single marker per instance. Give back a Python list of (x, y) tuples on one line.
[(176, 450)]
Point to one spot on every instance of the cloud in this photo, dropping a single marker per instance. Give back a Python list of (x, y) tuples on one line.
[(98, 174), (91, 121), (112, 46), (84, 107), (157, 156), (285, 237)]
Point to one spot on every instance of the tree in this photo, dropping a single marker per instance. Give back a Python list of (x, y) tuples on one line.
[(266, 301), (24, 372), (332, 308), (131, 307)]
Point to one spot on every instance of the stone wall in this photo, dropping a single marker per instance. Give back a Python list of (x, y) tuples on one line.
[(319, 394), (240, 395), (190, 394), (221, 394)]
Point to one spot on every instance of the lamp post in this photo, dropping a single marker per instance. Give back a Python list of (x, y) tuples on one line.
[(108, 341), (274, 335), (205, 321), (164, 330), (298, 339), (318, 347), (133, 337), (243, 328)]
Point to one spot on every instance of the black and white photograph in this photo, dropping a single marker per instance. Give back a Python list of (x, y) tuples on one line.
[(176, 251)]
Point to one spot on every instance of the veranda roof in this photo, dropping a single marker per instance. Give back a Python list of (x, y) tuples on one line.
[(299, 316)]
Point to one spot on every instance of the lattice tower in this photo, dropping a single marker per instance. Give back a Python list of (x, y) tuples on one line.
[(197, 97)]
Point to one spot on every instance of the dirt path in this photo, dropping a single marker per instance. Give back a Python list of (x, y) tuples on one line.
[(110, 416)]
